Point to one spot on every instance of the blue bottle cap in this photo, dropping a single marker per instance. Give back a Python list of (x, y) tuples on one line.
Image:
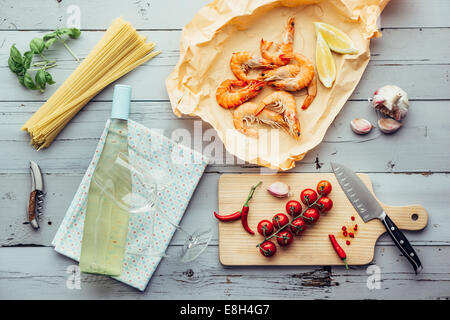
[(121, 102)]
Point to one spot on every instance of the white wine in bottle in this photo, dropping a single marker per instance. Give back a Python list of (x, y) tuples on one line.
[(106, 223)]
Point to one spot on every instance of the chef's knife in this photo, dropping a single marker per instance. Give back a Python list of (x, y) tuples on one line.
[(368, 208), (36, 196)]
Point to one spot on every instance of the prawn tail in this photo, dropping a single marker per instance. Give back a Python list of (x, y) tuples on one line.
[(312, 92), (265, 46), (307, 102)]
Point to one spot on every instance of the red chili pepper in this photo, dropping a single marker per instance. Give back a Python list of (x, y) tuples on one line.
[(245, 209), (229, 217), (341, 253), (244, 221)]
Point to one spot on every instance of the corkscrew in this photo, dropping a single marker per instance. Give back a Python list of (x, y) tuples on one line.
[(36, 203)]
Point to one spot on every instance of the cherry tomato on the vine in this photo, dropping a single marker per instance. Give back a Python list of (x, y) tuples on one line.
[(308, 196), (265, 228), (279, 220), (268, 248), (284, 238), (324, 187), (311, 215), (325, 204), (293, 208), (297, 226)]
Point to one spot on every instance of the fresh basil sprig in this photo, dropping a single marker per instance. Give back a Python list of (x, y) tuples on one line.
[(22, 64), (62, 34)]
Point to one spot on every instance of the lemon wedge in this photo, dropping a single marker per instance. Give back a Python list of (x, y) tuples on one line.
[(337, 40), (325, 62)]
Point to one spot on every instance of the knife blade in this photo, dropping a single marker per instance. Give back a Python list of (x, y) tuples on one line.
[(36, 201), (368, 208)]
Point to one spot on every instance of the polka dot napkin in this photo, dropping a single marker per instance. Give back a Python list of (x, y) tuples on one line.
[(156, 153)]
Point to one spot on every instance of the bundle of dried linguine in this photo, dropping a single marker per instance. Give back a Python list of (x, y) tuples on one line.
[(119, 51)]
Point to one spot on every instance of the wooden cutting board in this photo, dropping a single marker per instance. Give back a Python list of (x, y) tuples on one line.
[(237, 247)]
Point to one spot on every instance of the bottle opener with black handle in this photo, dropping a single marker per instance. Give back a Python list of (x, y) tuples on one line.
[(368, 208)]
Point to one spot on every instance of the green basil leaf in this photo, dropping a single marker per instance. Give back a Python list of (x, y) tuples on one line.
[(37, 45), (49, 36), (74, 33), (48, 78), (62, 31), (49, 42), (22, 72), (15, 54), (14, 66), (28, 82), (21, 79), (27, 57), (40, 79)]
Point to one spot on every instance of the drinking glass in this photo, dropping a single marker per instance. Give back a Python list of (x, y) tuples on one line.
[(143, 199)]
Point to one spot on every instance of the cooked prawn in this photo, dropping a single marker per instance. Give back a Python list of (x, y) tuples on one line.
[(292, 77), (242, 62), (232, 93), (283, 51), (244, 115), (283, 103), (312, 92), (275, 76)]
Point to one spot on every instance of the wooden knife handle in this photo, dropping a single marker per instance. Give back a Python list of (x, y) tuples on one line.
[(32, 210)]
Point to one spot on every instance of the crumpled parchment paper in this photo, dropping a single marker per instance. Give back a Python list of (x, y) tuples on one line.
[(227, 26)]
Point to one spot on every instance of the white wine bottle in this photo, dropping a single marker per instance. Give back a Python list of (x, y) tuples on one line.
[(106, 223)]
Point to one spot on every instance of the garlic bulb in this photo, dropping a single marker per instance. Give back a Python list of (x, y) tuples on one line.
[(388, 125), (392, 101), (361, 126)]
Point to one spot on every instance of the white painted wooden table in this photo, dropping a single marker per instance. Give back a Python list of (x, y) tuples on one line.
[(411, 166)]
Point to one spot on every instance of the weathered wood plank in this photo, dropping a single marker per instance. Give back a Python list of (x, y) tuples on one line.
[(392, 189), (160, 15), (401, 45), (410, 63), (420, 146), (414, 45), (166, 41), (205, 277), (143, 14)]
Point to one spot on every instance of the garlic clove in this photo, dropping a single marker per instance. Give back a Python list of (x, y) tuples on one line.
[(279, 189), (361, 126), (388, 125), (391, 101)]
